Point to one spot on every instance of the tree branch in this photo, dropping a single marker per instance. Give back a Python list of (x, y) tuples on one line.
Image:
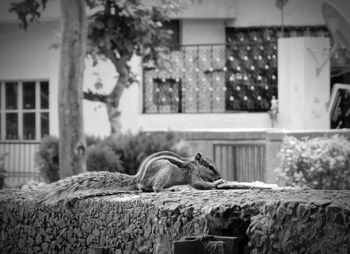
[(91, 96), (110, 55)]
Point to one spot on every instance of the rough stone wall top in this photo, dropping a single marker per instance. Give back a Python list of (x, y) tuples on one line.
[(283, 221)]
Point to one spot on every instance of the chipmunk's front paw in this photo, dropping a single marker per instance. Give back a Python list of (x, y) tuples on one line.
[(217, 182)]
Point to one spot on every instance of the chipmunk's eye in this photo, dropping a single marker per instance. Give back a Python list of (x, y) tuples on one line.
[(211, 168)]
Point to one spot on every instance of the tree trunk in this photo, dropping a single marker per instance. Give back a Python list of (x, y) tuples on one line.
[(71, 130), (114, 120), (114, 97), (113, 108)]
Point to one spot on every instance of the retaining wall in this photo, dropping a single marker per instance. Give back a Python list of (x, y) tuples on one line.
[(269, 221)]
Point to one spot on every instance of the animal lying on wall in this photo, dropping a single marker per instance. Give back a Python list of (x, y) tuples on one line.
[(158, 171)]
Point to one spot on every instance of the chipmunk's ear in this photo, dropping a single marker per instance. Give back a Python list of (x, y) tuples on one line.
[(198, 157)]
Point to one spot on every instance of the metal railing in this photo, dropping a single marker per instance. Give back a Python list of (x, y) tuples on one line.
[(20, 162), (213, 78), (241, 162), (216, 78)]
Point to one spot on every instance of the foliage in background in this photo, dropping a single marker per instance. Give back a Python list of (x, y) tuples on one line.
[(103, 158), (319, 163), (47, 159), (115, 154), (92, 140)]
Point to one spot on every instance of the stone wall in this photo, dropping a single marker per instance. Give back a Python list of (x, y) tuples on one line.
[(269, 221)]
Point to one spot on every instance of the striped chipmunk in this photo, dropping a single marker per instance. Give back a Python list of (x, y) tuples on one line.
[(158, 171)]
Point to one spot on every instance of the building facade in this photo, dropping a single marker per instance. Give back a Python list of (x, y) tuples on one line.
[(223, 74)]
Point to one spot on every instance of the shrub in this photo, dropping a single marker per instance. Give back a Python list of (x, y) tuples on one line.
[(122, 154), (92, 140), (103, 158), (47, 159), (319, 163)]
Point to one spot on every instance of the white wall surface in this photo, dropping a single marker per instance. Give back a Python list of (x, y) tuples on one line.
[(202, 31), (302, 92), (210, 9), (197, 122), (296, 12), (26, 55)]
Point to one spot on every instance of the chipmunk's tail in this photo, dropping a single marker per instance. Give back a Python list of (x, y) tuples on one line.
[(87, 185)]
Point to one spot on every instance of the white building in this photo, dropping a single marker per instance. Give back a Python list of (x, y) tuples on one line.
[(223, 77)]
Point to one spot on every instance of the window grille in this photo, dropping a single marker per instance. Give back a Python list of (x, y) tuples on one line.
[(239, 76), (24, 109)]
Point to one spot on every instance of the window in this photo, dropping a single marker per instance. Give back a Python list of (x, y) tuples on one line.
[(24, 110), (174, 27), (339, 106), (167, 94)]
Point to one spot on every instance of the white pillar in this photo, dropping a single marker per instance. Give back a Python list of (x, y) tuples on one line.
[(303, 93)]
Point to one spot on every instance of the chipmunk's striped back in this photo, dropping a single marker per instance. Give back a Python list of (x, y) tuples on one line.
[(165, 169), (164, 155)]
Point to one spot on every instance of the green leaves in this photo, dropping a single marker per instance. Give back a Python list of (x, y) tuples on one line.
[(131, 27), (28, 11), (319, 163)]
